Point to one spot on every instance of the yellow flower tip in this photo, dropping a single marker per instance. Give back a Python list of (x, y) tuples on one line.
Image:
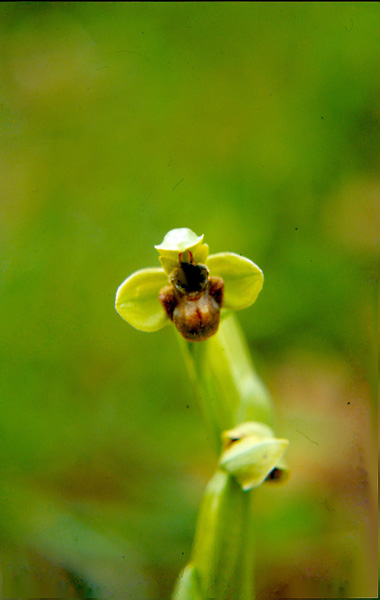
[(252, 454)]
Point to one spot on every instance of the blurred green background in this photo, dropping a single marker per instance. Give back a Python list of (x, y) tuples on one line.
[(256, 124)]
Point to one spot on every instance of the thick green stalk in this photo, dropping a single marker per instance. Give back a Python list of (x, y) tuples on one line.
[(222, 542), (188, 586), (228, 371), (226, 384), (221, 564), (229, 393)]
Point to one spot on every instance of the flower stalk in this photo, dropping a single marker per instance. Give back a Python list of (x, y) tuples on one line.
[(222, 554), (226, 384)]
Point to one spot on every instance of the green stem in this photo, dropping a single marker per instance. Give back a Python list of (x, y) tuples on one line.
[(188, 586), (229, 370), (222, 543), (229, 392), (225, 381)]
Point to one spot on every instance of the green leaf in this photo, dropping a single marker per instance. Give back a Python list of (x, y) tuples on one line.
[(137, 299), (243, 280)]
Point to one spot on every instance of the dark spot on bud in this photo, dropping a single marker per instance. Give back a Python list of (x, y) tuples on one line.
[(230, 441), (275, 475)]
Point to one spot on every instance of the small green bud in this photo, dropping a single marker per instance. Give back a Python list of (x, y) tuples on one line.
[(251, 453)]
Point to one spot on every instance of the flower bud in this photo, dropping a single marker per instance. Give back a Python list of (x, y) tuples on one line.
[(251, 454)]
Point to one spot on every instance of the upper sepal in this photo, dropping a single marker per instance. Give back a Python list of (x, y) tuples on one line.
[(181, 241), (137, 299)]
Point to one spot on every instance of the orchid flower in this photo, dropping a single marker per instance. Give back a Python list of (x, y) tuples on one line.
[(189, 289)]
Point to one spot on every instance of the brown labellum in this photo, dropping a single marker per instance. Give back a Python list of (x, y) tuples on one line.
[(193, 301)]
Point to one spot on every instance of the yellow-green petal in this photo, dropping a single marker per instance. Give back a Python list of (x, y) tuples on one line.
[(137, 299), (200, 254), (168, 263), (243, 280)]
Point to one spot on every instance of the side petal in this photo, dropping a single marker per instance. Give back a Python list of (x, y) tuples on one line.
[(137, 299), (243, 280), (168, 264), (201, 253)]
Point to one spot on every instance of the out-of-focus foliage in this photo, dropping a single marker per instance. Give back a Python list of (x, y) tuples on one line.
[(258, 125)]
